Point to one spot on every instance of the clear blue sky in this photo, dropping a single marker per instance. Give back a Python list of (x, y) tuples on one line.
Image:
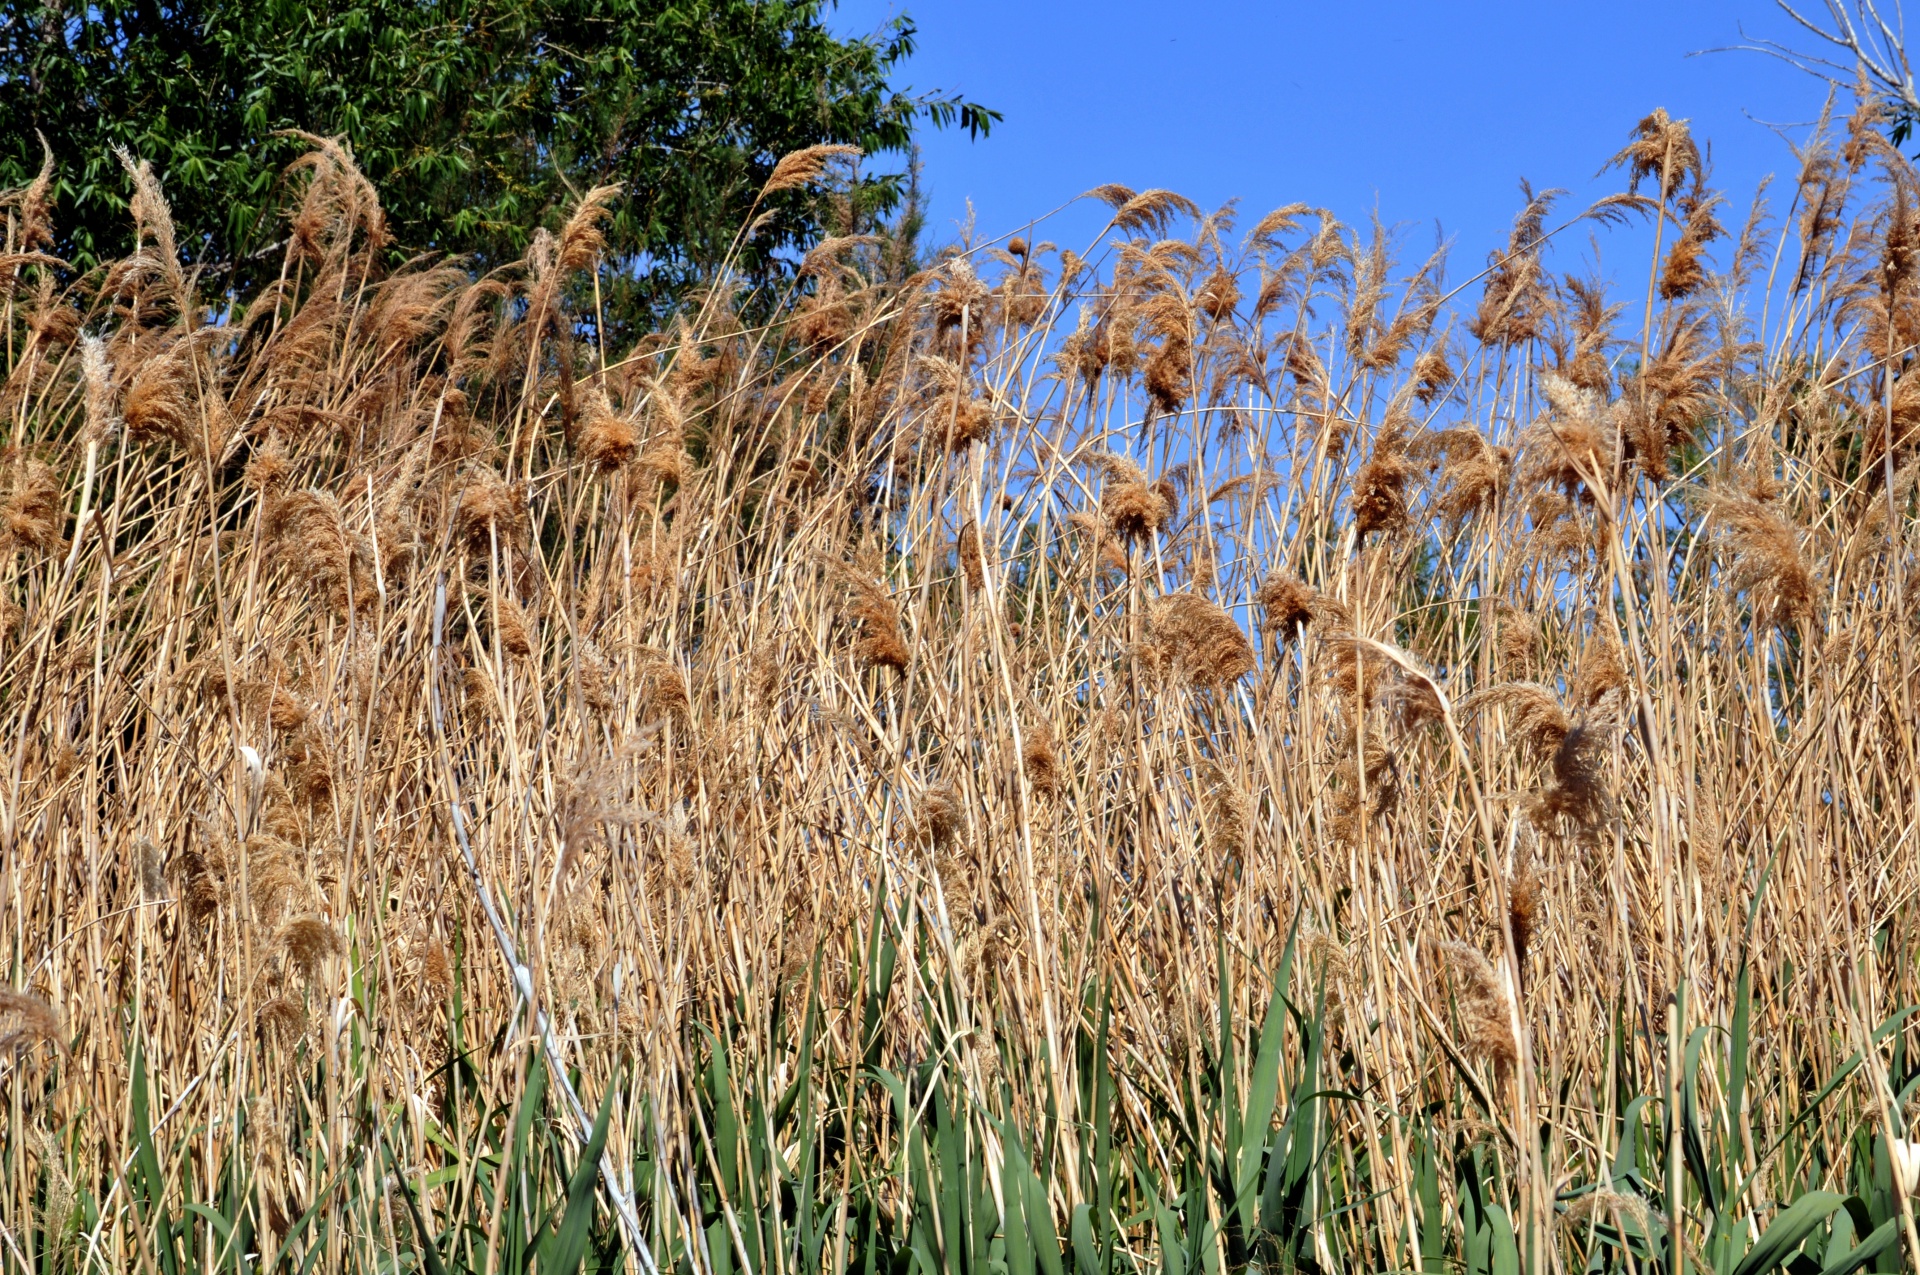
[(1431, 112)]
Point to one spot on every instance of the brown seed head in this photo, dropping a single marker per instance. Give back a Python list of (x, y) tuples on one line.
[(513, 626), (1380, 485), (308, 942), (879, 642), (1768, 564), (943, 819), (581, 240), (26, 1019), (1286, 604), (35, 203), (1219, 295), (282, 1020), (436, 969), (801, 167), (268, 469), (1132, 507), (488, 503), (1523, 914), (1485, 1011), (1190, 638), (973, 567), (1038, 758), (1535, 719), (1661, 148), (605, 440), (31, 516)]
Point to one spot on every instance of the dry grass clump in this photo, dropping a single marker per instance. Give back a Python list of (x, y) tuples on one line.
[(409, 704)]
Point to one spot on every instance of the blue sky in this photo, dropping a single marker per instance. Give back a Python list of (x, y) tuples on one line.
[(1430, 113)]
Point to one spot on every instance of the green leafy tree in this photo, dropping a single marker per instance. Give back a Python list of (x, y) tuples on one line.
[(478, 120)]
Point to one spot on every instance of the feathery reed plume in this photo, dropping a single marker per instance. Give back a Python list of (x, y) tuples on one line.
[(1768, 563), (1133, 507), (489, 506), (1667, 399), (1570, 447), (31, 516), (512, 625), (1286, 604), (823, 319), (1482, 1003), (1535, 719), (199, 886), (605, 440), (953, 415), (800, 168), (1683, 274), (973, 567), (943, 820), (436, 969), (1219, 295), (879, 643), (1822, 196), (1168, 372), (1190, 638), (959, 304), (594, 673), (308, 941), (1150, 211), (52, 321), (152, 220), (310, 526), (158, 405), (1040, 761), (26, 1019), (1662, 148), (1523, 917), (1473, 474), (1601, 674), (281, 1020), (1570, 747), (1433, 375), (1379, 499), (1516, 302), (268, 470), (1518, 633), (1227, 808), (35, 202), (581, 239), (337, 202), (660, 687), (1577, 791), (153, 872), (271, 877), (1583, 334)]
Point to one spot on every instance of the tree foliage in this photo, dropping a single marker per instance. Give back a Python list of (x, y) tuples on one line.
[(479, 120)]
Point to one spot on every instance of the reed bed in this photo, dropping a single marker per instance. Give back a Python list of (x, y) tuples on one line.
[(1212, 748)]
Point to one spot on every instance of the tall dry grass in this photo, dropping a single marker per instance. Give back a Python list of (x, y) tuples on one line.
[(1212, 746)]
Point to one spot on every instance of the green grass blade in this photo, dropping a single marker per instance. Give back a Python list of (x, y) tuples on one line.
[(1788, 1231)]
